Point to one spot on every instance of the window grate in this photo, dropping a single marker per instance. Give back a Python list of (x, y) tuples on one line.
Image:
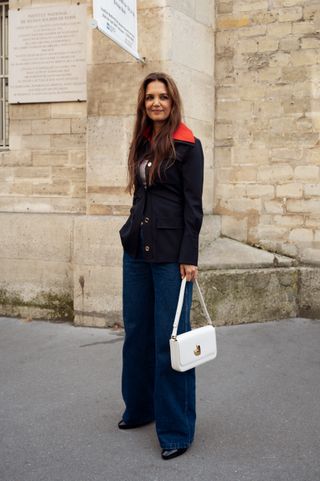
[(4, 111)]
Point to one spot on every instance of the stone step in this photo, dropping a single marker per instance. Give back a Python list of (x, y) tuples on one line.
[(244, 284), (225, 253)]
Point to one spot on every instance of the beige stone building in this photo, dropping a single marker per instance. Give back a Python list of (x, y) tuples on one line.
[(249, 75)]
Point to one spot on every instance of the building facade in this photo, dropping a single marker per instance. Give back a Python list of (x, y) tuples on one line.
[(249, 75)]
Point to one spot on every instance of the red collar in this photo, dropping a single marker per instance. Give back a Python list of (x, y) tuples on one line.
[(182, 133)]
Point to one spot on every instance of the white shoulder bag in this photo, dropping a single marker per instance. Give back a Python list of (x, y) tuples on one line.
[(195, 347)]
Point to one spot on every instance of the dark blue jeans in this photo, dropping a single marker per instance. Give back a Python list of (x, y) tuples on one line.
[(151, 389)]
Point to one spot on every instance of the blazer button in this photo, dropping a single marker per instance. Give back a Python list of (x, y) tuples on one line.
[(149, 164), (146, 220), (147, 248), (141, 223)]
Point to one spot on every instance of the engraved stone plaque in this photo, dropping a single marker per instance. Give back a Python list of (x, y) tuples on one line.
[(47, 53)]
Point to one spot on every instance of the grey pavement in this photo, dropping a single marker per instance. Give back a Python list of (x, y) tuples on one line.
[(258, 407)]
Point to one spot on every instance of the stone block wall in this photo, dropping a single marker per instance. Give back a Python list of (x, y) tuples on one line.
[(44, 170), (249, 76), (62, 181), (267, 124), (42, 190)]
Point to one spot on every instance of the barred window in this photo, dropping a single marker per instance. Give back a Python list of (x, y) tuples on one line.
[(4, 114)]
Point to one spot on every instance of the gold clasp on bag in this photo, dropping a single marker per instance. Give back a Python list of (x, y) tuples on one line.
[(197, 350)]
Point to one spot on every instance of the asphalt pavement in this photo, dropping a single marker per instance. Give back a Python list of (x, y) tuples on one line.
[(258, 407)]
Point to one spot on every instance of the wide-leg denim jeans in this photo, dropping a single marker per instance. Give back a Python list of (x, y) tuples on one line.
[(151, 389)]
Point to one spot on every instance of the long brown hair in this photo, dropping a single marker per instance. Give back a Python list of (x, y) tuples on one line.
[(162, 147)]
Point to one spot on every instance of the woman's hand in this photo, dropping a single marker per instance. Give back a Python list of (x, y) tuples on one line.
[(190, 272)]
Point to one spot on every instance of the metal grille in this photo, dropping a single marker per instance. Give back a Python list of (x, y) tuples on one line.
[(4, 113)]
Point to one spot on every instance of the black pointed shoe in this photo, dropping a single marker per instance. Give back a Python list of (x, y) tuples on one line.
[(123, 425), (172, 453)]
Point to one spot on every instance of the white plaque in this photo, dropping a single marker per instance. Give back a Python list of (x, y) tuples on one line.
[(47, 53), (118, 20)]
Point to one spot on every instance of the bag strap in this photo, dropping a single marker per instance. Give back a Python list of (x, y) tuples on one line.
[(203, 305), (180, 304)]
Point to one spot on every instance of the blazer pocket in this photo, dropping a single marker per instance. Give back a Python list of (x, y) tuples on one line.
[(168, 238), (169, 223)]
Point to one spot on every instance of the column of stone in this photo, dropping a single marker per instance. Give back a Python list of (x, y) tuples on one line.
[(190, 28), (113, 78)]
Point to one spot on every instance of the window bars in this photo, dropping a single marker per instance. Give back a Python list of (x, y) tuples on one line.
[(4, 112)]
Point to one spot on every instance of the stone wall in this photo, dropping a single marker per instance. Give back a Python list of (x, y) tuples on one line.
[(44, 169), (42, 191), (249, 76), (62, 198), (267, 148), (113, 80)]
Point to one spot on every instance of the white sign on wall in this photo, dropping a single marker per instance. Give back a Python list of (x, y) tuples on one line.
[(118, 20), (47, 53)]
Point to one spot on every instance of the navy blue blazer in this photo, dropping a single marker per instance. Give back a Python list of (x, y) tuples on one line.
[(169, 212)]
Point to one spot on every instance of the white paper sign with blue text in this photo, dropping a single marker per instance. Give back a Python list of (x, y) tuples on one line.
[(118, 20)]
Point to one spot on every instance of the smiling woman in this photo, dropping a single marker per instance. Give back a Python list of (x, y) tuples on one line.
[(157, 103), (160, 240)]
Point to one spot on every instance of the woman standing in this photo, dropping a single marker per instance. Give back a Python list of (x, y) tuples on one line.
[(160, 240)]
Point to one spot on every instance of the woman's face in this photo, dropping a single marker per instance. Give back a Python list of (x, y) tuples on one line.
[(157, 102)]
